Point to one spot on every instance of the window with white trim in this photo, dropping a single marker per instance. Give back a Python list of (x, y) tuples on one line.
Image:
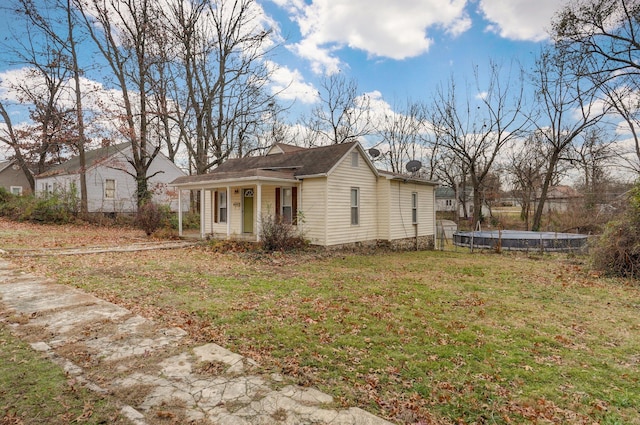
[(414, 207), (222, 206), (16, 190), (287, 205), (110, 189), (355, 206)]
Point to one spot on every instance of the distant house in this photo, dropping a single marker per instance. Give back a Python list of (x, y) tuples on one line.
[(111, 188), (13, 178), (446, 201), (559, 199), (333, 194)]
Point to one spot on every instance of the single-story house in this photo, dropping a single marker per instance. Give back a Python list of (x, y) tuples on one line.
[(447, 201), (333, 194), (111, 187), (12, 178), (559, 199)]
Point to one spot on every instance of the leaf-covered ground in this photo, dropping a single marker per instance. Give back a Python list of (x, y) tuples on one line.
[(416, 337)]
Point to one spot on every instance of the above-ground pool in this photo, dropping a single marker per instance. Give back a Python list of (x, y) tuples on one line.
[(521, 240)]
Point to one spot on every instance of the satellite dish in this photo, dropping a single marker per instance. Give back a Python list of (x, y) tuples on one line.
[(374, 152), (413, 166)]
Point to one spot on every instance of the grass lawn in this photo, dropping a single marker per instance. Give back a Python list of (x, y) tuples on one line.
[(415, 337), (35, 391)]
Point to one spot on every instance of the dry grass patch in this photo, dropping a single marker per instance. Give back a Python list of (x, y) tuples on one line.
[(35, 391), (416, 337)]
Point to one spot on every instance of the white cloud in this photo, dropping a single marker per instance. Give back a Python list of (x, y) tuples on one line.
[(290, 85), (381, 28), (520, 19)]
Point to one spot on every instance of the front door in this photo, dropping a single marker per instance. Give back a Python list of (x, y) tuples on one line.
[(247, 210)]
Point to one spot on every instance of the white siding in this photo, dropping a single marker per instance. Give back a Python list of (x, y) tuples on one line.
[(234, 213), (208, 212), (312, 203), (126, 187), (401, 224), (339, 184), (384, 209)]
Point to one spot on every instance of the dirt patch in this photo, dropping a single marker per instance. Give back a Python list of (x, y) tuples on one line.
[(134, 395)]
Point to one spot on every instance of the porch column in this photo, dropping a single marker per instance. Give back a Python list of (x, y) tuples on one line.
[(259, 213), (202, 215), (180, 212), (229, 211)]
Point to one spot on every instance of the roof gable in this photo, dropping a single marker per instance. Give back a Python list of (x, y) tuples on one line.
[(302, 161), (4, 165), (282, 148), (92, 158)]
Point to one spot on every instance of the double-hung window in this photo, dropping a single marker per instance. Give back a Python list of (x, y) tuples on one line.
[(110, 189), (355, 206), (222, 206), (414, 208), (287, 205)]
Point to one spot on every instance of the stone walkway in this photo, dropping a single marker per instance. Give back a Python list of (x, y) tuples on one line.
[(152, 370)]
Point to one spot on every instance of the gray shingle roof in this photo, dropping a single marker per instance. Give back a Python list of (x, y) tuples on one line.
[(290, 164), (92, 158)]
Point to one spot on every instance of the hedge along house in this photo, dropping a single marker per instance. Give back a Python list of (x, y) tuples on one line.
[(333, 194)]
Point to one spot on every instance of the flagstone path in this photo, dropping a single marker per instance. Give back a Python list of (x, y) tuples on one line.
[(150, 368)]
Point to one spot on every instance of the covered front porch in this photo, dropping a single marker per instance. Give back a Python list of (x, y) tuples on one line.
[(234, 209)]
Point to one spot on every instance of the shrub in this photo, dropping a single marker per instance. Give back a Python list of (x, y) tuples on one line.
[(57, 208), (151, 217), (617, 251), (190, 220), (5, 196), (278, 235)]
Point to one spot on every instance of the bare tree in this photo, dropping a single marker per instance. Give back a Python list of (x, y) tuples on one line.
[(525, 166), (49, 21), (222, 46), (593, 154), (599, 39), (42, 89), (9, 137), (602, 35), (567, 107), (623, 96), (476, 129), (402, 134), (122, 32), (342, 115)]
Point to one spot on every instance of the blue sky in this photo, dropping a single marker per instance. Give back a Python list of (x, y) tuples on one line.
[(405, 48), (400, 49)]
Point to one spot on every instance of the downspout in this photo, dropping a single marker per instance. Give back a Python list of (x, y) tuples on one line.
[(229, 212), (202, 219), (435, 222), (259, 213), (180, 212)]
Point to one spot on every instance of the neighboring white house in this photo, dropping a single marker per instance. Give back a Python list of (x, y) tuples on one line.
[(333, 193), (559, 199), (446, 201), (111, 188)]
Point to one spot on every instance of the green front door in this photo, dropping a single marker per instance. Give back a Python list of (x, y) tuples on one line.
[(247, 210)]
